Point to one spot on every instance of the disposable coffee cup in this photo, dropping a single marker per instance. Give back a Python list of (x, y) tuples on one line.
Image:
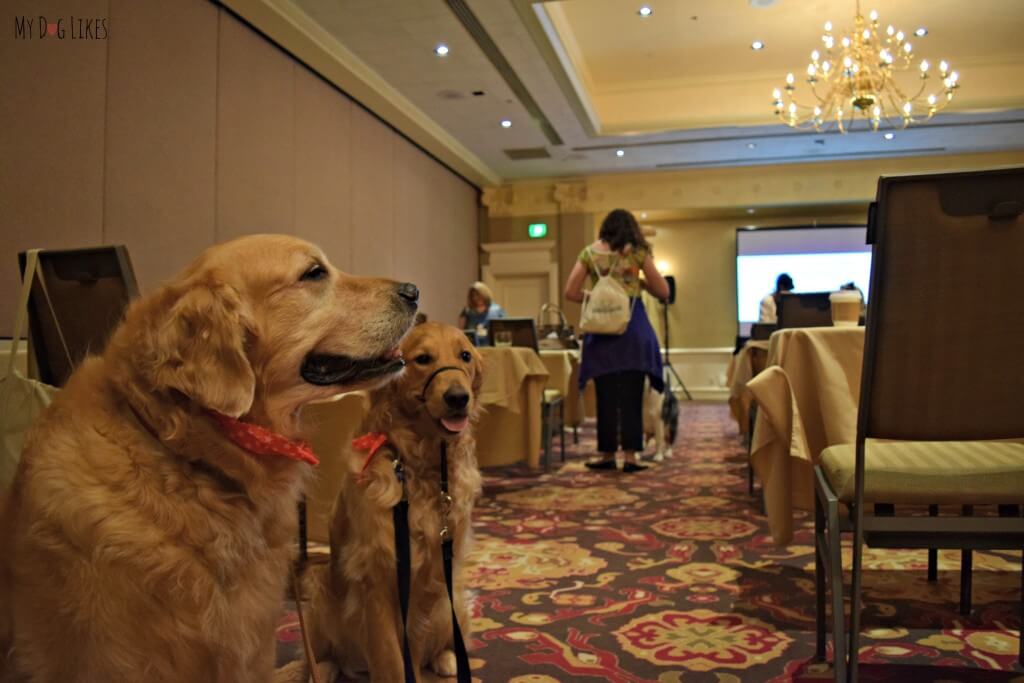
[(845, 307)]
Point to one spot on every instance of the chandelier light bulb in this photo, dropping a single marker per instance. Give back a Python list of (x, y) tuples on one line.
[(907, 48), (846, 41), (924, 66), (789, 79), (931, 100), (943, 67), (811, 70), (815, 55), (899, 36), (907, 108), (792, 107), (776, 94), (954, 77), (873, 15), (817, 111), (890, 30), (829, 42), (828, 26), (867, 34), (847, 62), (876, 112)]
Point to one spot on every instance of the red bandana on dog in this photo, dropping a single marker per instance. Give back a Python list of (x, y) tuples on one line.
[(262, 441), (371, 443)]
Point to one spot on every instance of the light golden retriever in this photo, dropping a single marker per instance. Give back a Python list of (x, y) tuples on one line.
[(355, 621), (138, 542)]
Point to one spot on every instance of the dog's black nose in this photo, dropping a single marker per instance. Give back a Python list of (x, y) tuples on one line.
[(410, 293), (457, 398)]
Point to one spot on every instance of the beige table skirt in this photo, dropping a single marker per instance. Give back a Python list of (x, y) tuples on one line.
[(509, 430), (743, 366), (331, 424), (807, 401)]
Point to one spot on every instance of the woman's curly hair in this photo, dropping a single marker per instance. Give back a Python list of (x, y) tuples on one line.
[(620, 229)]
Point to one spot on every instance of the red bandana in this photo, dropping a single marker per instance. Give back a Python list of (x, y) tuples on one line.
[(262, 441), (371, 443)]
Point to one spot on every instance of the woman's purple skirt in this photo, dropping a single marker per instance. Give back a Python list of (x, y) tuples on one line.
[(635, 349)]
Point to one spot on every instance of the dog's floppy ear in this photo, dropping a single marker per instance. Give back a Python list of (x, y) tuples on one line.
[(478, 370), (198, 348)]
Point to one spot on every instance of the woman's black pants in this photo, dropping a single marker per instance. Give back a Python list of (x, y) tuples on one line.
[(620, 411)]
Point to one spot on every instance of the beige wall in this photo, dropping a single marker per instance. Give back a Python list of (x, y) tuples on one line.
[(185, 128), (702, 257)]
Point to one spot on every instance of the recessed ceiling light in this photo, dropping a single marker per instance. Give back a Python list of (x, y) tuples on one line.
[(620, 152), (889, 136), (441, 50), (921, 32), (643, 214), (757, 45), (751, 145), (505, 123), (645, 11), (751, 210)]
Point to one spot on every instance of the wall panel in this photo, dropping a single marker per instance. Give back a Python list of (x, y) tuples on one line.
[(52, 109), (161, 133), (255, 134), (372, 171)]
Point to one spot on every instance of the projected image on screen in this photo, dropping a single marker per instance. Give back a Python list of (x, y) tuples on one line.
[(818, 260)]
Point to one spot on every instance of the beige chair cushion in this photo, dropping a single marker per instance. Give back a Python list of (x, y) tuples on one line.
[(931, 473)]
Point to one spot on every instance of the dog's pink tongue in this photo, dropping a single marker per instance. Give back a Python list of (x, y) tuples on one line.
[(455, 424)]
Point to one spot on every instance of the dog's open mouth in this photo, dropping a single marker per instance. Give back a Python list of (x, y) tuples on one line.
[(455, 424), (325, 369)]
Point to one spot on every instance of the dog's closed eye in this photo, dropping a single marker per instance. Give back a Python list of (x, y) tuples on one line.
[(423, 359), (314, 272)]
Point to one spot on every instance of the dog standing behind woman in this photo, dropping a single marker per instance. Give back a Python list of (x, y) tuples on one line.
[(355, 622)]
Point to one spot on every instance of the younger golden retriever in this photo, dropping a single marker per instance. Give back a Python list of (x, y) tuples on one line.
[(141, 543), (355, 621)]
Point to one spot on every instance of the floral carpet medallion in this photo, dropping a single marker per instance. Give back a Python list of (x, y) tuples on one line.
[(701, 640), (670, 575)]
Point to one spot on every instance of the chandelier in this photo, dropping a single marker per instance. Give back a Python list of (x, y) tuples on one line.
[(856, 77)]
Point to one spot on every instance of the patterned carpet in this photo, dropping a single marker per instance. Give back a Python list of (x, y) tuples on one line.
[(670, 575)]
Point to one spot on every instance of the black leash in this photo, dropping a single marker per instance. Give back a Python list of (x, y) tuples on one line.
[(403, 562), (404, 569), (447, 551)]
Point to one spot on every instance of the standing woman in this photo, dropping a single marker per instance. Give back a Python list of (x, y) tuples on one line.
[(618, 362)]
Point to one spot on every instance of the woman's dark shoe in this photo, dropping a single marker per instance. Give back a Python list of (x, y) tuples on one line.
[(629, 467), (601, 464)]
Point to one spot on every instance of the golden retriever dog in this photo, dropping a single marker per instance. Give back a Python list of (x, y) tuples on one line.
[(139, 541), (355, 621)]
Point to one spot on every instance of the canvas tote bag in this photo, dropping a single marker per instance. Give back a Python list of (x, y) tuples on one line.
[(606, 307), (21, 399)]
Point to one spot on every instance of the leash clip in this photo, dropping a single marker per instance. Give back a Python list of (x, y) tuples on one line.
[(446, 509)]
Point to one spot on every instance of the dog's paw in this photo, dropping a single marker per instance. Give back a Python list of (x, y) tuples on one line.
[(444, 664), (658, 457)]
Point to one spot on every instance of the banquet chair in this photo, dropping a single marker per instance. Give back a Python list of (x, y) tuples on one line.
[(940, 385), (523, 332), (809, 309), (76, 302)]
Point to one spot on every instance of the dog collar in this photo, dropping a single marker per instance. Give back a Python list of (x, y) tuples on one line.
[(371, 443), (261, 441)]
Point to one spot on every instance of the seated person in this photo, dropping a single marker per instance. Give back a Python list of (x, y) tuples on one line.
[(769, 304), (480, 308)]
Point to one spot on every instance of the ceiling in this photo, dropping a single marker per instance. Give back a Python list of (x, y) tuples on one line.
[(581, 79)]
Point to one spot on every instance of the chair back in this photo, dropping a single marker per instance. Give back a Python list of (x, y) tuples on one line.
[(523, 331), (762, 331), (810, 309), (945, 321), (75, 308)]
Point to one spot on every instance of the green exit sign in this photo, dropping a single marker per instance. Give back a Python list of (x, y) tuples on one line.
[(538, 230)]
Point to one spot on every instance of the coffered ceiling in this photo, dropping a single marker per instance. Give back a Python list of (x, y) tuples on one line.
[(581, 80)]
